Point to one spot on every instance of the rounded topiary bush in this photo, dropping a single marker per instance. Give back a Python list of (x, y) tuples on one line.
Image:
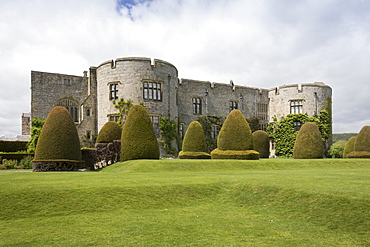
[(361, 147), (309, 143), (235, 140), (138, 139), (349, 147), (261, 143), (194, 143), (109, 132), (58, 146)]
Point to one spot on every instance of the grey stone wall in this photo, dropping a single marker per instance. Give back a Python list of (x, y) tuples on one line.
[(313, 96), (129, 74)]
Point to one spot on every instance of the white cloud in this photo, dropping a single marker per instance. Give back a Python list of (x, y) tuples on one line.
[(257, 43)]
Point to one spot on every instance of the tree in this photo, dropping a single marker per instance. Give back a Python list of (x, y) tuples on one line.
[(361, 147), (261, 143), (348, 148), (109, 132), (235, 139), (194, 144), (309, 143), (58, 147), (36, 126), (123, 107), (336, 150), (138, 140)]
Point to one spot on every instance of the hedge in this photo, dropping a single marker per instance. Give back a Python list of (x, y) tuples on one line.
[(194, 143), (14, 156), (309, 143), (109, 132), (58, 139), (13, 146), (138, 140), (261, 143), (348, 148)]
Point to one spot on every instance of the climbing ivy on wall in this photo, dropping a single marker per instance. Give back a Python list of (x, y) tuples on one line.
[(36, 126), (207, 122), (169, 133)]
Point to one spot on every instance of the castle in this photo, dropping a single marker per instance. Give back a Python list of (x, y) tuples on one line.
[(156, 84)]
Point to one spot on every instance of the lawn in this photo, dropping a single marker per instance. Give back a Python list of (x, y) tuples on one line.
[(271, 202)]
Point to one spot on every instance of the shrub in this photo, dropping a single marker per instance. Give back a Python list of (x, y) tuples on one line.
[(309, 143), (138, 140), (58, 142), (109, 132), (36, 126), (336, 150), (361, 148), (348, 148), (10, 164), (362, 142), (194, 143), (235, 135), (261, 143), (26, 162), (13, 146)]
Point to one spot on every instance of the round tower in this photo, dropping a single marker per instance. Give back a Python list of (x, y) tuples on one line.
[(310, 98), (153, 83)]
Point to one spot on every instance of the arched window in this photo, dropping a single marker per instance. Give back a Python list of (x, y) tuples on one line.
[(71, 106)]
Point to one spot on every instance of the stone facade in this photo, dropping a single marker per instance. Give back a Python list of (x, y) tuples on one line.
[(155, 83)]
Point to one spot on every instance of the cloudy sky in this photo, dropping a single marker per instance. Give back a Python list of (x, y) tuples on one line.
[(259, 43)]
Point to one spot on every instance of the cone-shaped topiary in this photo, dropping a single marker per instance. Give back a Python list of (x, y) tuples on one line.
[(194, 143), (361, 147), (261, 143), (349, 147), (138, 140), (309, 144), (235, 140), (58, 143), (109, 132)]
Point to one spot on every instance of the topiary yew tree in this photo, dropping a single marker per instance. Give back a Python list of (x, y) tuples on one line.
[(349, 147), (109, 132), (194, 143), (138, 140), (58, 145), (261, 143), (309, 143), (361, 147), (235, 139)]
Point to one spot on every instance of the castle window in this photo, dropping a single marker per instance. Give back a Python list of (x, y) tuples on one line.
[(197, 105), (113, 118), (71, 106), (88, 134), (297, 126), (113, 91), (181, 130), (262, 111), (262, 126), (214, 131), (296, 106), (155, 121), (88, 113), (67, 81), (233, 105), (152, 91)]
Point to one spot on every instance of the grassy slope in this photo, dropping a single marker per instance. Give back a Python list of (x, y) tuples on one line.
[(271, 202)]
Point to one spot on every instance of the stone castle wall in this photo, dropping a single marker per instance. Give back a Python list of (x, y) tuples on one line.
[(129, 74), (313, 96), (216, 97)]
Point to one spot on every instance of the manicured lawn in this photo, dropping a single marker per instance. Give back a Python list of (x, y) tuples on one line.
[(272, 202)]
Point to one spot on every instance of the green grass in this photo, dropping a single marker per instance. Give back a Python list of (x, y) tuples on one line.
[(271, 202)]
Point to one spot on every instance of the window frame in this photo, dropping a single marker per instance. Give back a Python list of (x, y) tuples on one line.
[(72, 106), (113, 91), (197, 105), (296, 106), (233, 104), (152, 90)]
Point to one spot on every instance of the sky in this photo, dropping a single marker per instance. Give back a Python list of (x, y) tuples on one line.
[(257, 43)]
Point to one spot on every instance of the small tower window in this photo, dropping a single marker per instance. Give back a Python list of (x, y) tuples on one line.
[(197, 105), (113, 91)]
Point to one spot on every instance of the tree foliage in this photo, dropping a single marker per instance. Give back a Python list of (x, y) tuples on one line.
[(169, 133), (123, 106), (36, 126), (336, 150), (309, 143), (207, 123), (261, 143), (284, 134), (109, 132), (138, 140), (194, 144), (349, 147)]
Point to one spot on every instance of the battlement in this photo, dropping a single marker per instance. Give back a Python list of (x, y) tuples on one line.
[(300, 87)]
